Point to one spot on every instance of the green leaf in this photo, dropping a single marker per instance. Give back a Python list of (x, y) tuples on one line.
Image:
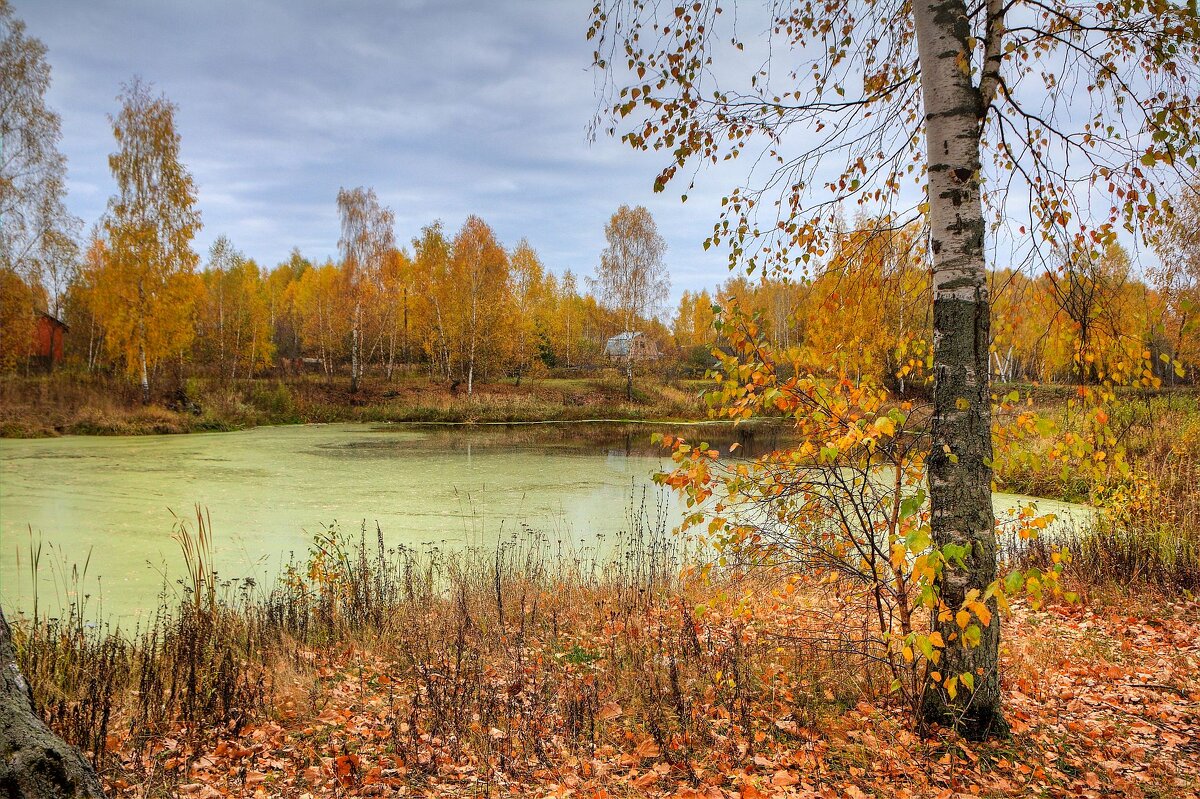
[(918, 540), (911, 505)]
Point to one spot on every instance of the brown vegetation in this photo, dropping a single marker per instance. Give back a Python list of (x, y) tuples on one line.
[(522, 671), (66, 403)]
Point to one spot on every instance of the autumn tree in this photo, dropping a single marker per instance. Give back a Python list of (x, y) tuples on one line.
[(234, 319), (431, 266), (281, 287), (868, 302), (1015, 353), (1085, 287), (148, 286), (1177, 277), (396, 288), (529, 298), (37, 233), (367, 241), (1064, 103), (692, 325), (83, 304), (692, 331), (480, 270), (17, 301), (568, 314), (321, 314), (222, 258), (632, 276)]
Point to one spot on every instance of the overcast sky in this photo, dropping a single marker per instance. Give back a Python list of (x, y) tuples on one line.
[(445, 108)]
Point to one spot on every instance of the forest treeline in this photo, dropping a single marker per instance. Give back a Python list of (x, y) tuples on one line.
[(867, 311), (462, 305), (453, 306)]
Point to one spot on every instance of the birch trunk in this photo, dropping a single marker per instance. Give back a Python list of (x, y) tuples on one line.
[(391, 356), (221, 318), (354, 339), (959, 466), (144, 379), (568, 343), (141, 333)]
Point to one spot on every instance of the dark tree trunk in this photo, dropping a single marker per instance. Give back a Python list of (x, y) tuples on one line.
[(959, 465), (34, 762)]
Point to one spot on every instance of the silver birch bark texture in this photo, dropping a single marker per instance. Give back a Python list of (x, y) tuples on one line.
[(354, 336), (959, 466)]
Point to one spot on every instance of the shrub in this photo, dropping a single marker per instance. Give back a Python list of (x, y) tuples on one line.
[(275, 402)]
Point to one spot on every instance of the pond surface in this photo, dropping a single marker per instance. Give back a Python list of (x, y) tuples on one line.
[(109, 502)]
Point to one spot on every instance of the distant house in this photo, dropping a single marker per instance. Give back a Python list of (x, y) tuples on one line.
[(302, 365), (48, 337), (631, 345)]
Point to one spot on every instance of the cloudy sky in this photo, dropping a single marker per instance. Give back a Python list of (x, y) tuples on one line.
[(446, 108)]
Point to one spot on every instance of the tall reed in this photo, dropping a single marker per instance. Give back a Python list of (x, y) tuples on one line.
[(507, 655)]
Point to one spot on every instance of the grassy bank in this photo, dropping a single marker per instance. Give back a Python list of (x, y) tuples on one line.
[(529, 671), (65, 404)]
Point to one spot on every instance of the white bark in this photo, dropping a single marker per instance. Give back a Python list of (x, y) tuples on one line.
[(959, 464)]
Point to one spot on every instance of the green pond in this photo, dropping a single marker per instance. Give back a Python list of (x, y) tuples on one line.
[(110, 503)]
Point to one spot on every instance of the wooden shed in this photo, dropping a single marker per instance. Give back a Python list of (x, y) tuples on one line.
[(49, 335), (632, 346)]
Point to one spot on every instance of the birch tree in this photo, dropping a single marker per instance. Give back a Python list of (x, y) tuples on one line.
[(528, 299), (1177, 278), (569, 298), (223, 258), (149, 284), (281, 286), (396, 284), (1029, 121), (321, 316), (632, 276), (481, 274), (431, 264), (37, 233), (1085, 288), (368, 240)]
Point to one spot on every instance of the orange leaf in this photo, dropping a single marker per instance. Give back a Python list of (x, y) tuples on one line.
[(608, 711), (648, 748)]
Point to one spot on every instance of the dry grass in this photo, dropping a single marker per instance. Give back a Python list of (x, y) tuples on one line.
[(69, 403), (524, 670), (527, 638)]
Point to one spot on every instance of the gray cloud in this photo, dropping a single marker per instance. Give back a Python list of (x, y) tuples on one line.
[(446, 108)]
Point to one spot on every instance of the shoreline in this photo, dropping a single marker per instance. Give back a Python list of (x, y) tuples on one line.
[(137, 432), (72, 404)]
